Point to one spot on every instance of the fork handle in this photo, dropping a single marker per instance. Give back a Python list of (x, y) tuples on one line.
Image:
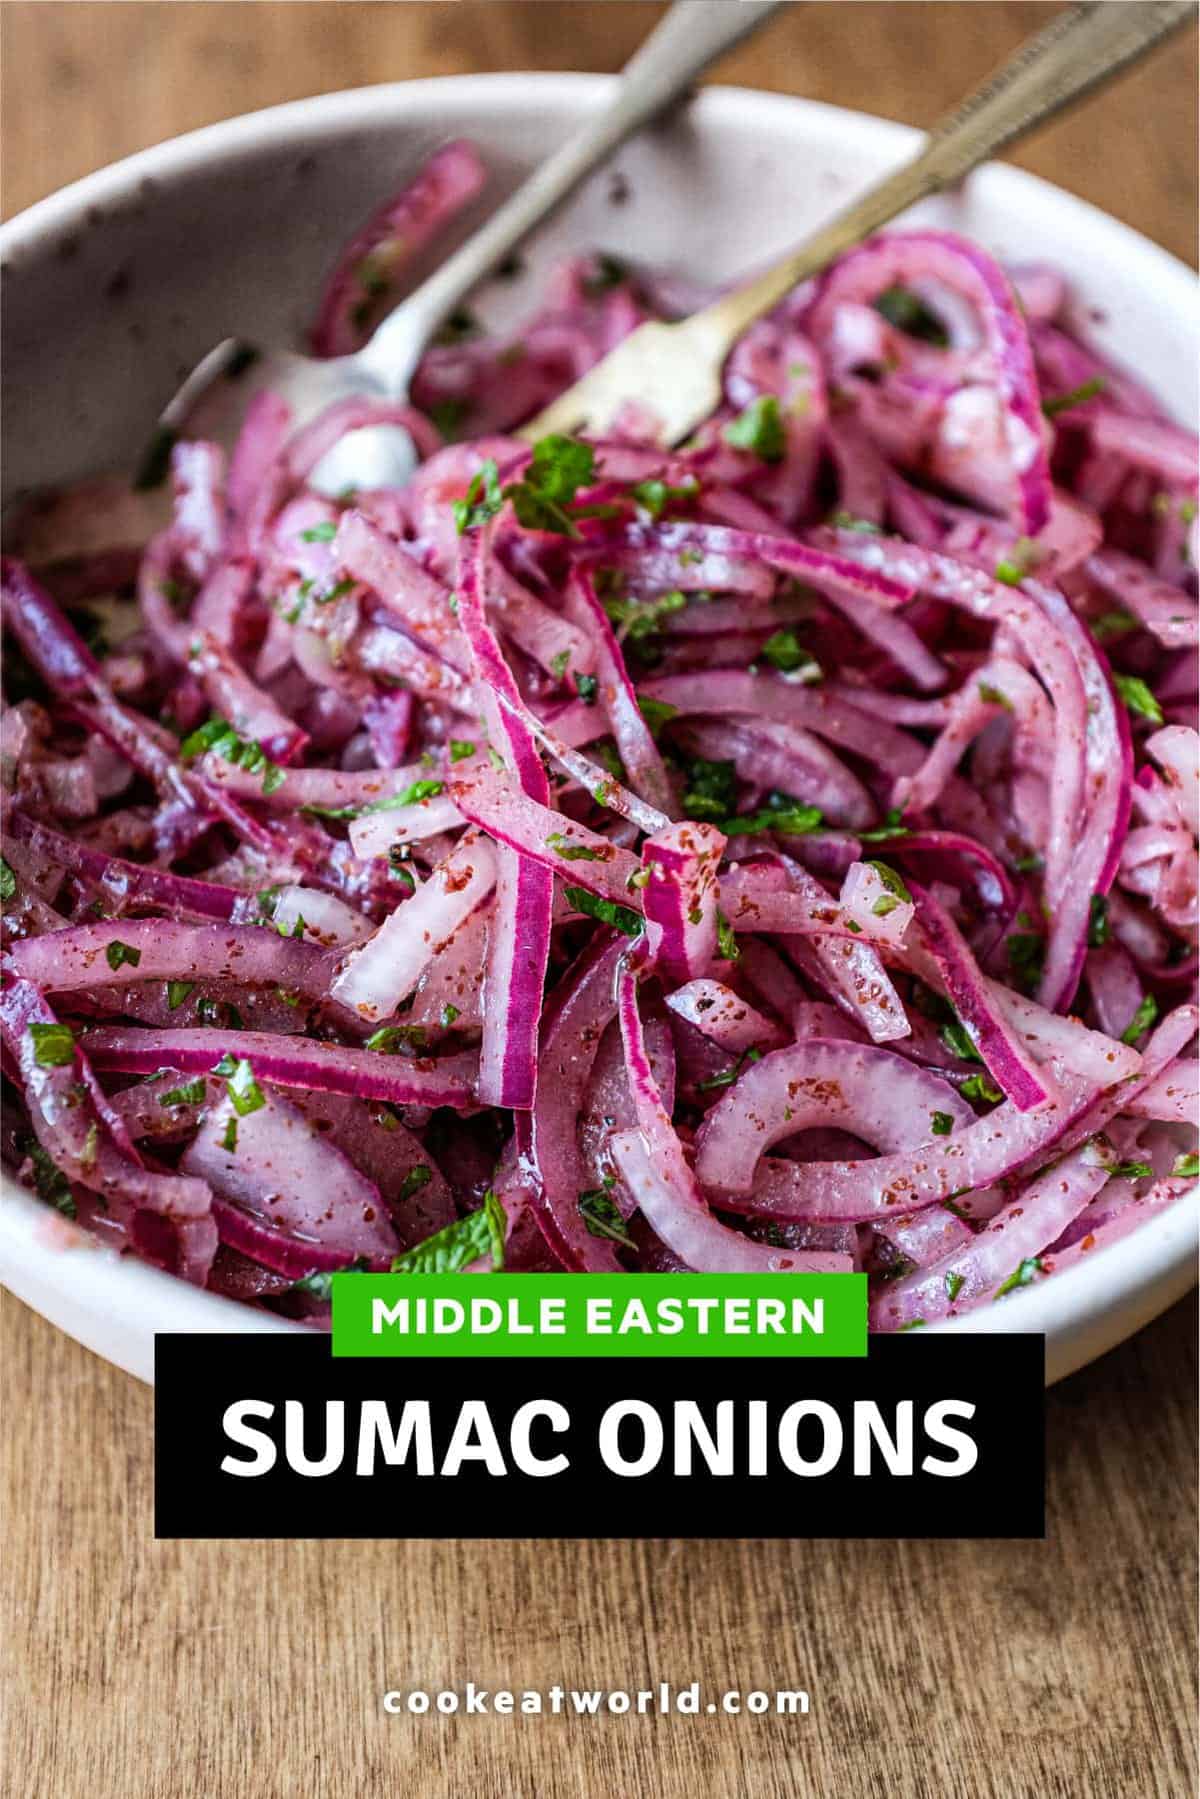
[(1077, 51), (690, 36)]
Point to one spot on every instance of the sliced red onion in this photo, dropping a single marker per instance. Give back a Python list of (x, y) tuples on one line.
[(872, 1093), (376, 257), (290, 1062), (958, 975), (1165, 610), (384, 970), (653, 1166), (1176, 749), (980, 1269), (635, 743), (680, 898), (153, 949), (718, 1012), (549, 838), (124, 881), (306, 1204)]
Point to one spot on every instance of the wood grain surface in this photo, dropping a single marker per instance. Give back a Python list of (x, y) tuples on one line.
[(143, 1670)]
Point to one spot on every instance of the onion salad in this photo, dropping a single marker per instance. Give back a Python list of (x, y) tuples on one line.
[(776, 853)]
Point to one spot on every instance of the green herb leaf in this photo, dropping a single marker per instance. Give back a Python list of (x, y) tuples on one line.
[(1141, 1021), (1131, 1171), (8, 882), (325, 532), (1112, 624), (954, 1285), (786, 816), (847, 521), (711, 790), (392, 1039), (993, 696), (1098, 926), (981, 1087), (759, 428), (622, 918), (1138, 697), (890, 829), (53, 1045), (638, 619), (656, 496), (892, 881), (558, 468), (903, 309), (414, 1180), (177, 992), (1011, 573), (587, 687), (482, 501), (460, 749), (192, 1093), (656, 713), (941, 1124), (1022, 1274), (602, 1216), (959, 1042), (785, 652), (1187, 1167), (118, 954), (319, 1284), (727, 943), (914, 1324), (1087, 390), (729, 1075), (51, 1183), (571, 852), (452, 1249)]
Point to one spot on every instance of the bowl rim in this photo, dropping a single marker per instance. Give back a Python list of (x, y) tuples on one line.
[(1157, 1257)]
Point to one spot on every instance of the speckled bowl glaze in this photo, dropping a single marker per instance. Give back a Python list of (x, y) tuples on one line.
[(113, 288)]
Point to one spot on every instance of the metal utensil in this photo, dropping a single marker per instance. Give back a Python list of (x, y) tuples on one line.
[(693, 34), (674, 371)]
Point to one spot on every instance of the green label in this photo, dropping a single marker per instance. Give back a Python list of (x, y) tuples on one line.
[(600, 1315)]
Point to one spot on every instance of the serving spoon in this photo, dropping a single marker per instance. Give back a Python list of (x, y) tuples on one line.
[(212, 400), (673, 372)]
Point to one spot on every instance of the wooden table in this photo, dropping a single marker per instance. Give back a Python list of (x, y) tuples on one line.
[(143, 1670)]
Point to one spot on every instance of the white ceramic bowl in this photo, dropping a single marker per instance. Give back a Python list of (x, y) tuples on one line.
[(114, 287)]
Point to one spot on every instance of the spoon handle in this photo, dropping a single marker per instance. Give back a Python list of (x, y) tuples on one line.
[(1077, 51), (690, 36)]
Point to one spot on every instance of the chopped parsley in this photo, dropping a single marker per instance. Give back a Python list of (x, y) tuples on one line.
[(760, 429), (1138, 697), (452, 1249), (229, 1137), (981, 1087), (903, 309), (177, 992), (711, 791), (219, 736), (1141, 1021), (8, 882), (571, 852), (192, 1093), (1087, 390), (558, 468), (656, 496), (895, 894), (1099, 931), (622, 918), (53, 1045), (1131, 1171), (245, 1094), (993, 696), (727, 943), (602, 1215), (414, 1180), (1187, 1167), (1112, 624), (781, 813), (1026, 952), (319, 1284), (641, 618), (460, 749), (784, 651), (890, 829), (587, 687), (959, 1041), (1022, 1274), (393, 1039), (954, 1285), (325, 532), (483, 498), (118, 954), (941, 1124), (729, 1075), (656, 713)]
